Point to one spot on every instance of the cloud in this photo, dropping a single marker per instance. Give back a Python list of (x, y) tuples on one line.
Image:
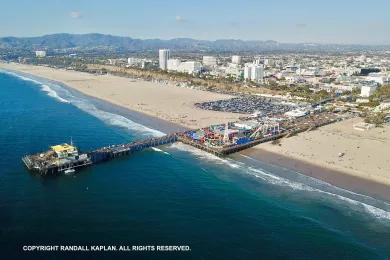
[(75, 14), (180, 19)]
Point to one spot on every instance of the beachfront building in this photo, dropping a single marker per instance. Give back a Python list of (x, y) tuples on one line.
[(236, 59), (173, 64), (147, 64), (116, 62), (134, 61), (190, 67), (209, 61), (40, 54), (163, 55)]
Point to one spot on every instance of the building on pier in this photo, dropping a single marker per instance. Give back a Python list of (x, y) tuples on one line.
[(59, 158)]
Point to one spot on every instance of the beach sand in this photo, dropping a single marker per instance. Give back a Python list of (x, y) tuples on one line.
[(366, 153), (364, 167), (164, 101)]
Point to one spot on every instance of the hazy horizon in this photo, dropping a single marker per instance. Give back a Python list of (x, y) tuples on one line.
[(192, 38), (303, 21)]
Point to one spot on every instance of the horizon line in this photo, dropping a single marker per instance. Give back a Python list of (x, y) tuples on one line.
[(197, 39)]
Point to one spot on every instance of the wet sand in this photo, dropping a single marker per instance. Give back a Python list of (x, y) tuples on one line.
[(364, 154), (334, 177), (165, 101)]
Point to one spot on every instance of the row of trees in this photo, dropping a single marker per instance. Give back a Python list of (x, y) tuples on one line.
[(381, 93), (225, 85), (217, 84)]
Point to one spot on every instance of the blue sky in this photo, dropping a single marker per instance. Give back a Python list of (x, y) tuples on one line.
[(331, 21)]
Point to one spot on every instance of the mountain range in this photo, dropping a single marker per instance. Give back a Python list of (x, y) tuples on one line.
[(128, 44)]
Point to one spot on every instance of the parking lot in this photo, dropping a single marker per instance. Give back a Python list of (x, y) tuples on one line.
[(249, 105)]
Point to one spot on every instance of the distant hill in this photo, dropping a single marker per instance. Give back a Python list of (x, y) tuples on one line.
[(118, 43)]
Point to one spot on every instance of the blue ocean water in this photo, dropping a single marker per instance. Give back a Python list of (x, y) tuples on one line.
[(176, 195)]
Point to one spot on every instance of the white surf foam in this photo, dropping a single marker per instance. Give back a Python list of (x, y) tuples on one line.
[(114, 119), (50, 92), (293, 185), (20, 76), (206, 156), (374, 211), (61, 94), (320, 182), (159, 150)]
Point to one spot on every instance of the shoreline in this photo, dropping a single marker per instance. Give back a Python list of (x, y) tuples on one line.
[(151, 98), (144, 119), (330, 175), (136, 116)]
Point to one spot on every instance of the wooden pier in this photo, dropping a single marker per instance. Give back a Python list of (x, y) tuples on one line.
[(43, 165), (115, 151)]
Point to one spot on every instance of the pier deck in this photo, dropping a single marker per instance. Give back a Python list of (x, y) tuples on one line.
[(115, 151), (47, 163)]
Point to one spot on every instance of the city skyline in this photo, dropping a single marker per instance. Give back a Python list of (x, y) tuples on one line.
[(346, 22)]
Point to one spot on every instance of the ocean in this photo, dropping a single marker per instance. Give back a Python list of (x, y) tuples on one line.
[(230, 208)]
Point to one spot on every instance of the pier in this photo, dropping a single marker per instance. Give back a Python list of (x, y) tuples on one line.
[(219, 140), (115, 151), (54, 161)]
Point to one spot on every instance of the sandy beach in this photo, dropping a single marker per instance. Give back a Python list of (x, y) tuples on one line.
[(164, 101), (365, 154)]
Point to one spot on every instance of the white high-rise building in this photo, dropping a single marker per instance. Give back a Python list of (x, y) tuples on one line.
[(163, 55), (257, 73), (209, 61), (253, 72), (236, 59), (247, 71), (40, 54)]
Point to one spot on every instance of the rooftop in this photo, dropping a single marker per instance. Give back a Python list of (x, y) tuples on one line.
[(63, 148)]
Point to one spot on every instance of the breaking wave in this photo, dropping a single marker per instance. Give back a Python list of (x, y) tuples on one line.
[(159, 150), (20, 76), (53, 94), (113, 119), (63, 95), (322, 188)]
